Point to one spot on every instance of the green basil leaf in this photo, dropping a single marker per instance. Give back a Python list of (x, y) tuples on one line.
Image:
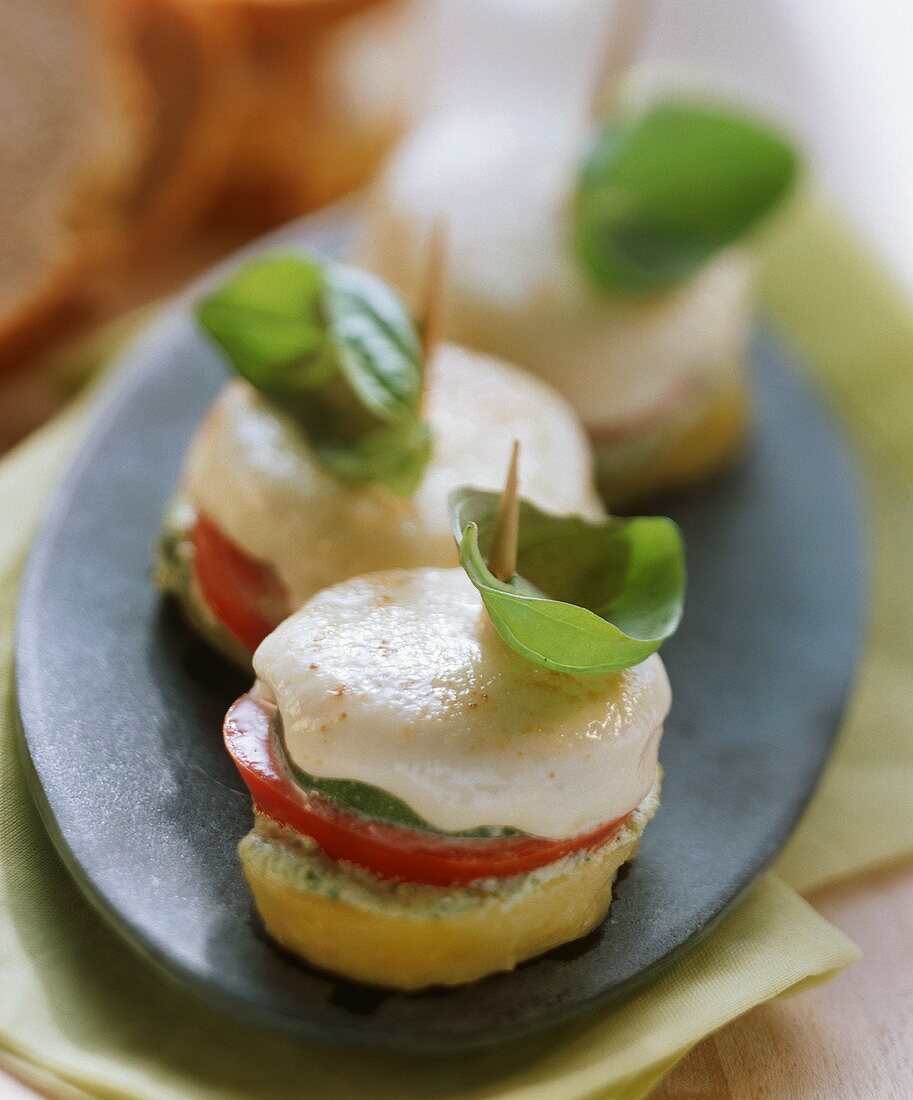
[(370, 802), (366, 800), (588, 597), (267, 321), (395, 456), (334, 348), (377, 345), (660, 194)]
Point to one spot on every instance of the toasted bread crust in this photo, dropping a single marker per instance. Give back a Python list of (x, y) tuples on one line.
[(302, 143), (690, 444), (409, 936)]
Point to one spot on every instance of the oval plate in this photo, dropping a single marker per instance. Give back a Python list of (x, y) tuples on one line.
[(121, 712)]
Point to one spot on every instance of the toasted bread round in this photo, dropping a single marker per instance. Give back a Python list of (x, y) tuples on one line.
[(696, 437), (409, 936), (188, 57)]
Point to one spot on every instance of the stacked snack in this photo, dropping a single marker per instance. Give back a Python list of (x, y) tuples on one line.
[(448, 767), (607, 257), (334, 453)]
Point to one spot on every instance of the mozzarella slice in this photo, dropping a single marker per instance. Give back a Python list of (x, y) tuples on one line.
[(504, 183), (399, 680), (251, 471)]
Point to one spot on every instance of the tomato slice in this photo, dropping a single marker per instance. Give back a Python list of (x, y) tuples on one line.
[(245, 595), (387, 850)]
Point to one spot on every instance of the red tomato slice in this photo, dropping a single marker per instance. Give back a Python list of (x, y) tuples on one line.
[(390, 851), (245, 595)]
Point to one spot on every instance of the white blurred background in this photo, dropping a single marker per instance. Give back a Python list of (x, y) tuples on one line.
[(839, 72)]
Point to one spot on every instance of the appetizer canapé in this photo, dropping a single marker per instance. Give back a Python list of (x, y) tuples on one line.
[(448, 769), (329, 458), (614, 266)]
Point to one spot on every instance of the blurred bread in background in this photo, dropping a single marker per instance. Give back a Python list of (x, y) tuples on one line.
[(142, 139), (73, 135), (330, 86), (188, 56)]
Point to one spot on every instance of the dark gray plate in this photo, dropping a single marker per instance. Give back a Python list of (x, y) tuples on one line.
[(121, 711)]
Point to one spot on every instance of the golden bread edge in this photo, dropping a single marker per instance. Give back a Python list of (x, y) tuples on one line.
[(411, 936)]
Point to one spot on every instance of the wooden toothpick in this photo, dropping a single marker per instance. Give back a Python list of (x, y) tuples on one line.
[(625, 34), (502, 559), (432, 322)]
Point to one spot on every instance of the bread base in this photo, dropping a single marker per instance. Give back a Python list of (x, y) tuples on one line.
[(410, 936), (698, 437)]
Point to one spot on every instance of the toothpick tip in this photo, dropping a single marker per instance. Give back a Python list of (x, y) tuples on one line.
[(625, 34), (432, 322), (503, 556)]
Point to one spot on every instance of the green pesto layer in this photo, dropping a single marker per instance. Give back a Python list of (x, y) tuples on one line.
[(174, 577)]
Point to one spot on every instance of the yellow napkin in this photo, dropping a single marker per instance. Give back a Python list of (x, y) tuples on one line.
[(79, 1009), (854, 329)]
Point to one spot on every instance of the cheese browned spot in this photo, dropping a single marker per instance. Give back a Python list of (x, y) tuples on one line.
[(399, 680)]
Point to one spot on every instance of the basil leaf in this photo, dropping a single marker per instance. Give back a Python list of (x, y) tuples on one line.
[(587, 597), (335, 348), (366, 800), (660, 194), (370, 802), (376, 344), (267, 321), (395, 456)]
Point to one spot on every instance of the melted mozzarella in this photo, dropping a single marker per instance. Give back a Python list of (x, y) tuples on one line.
[(252, 472), (505, 185), (399, 680)]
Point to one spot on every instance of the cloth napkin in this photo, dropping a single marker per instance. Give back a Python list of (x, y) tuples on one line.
[(81, 1015)]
